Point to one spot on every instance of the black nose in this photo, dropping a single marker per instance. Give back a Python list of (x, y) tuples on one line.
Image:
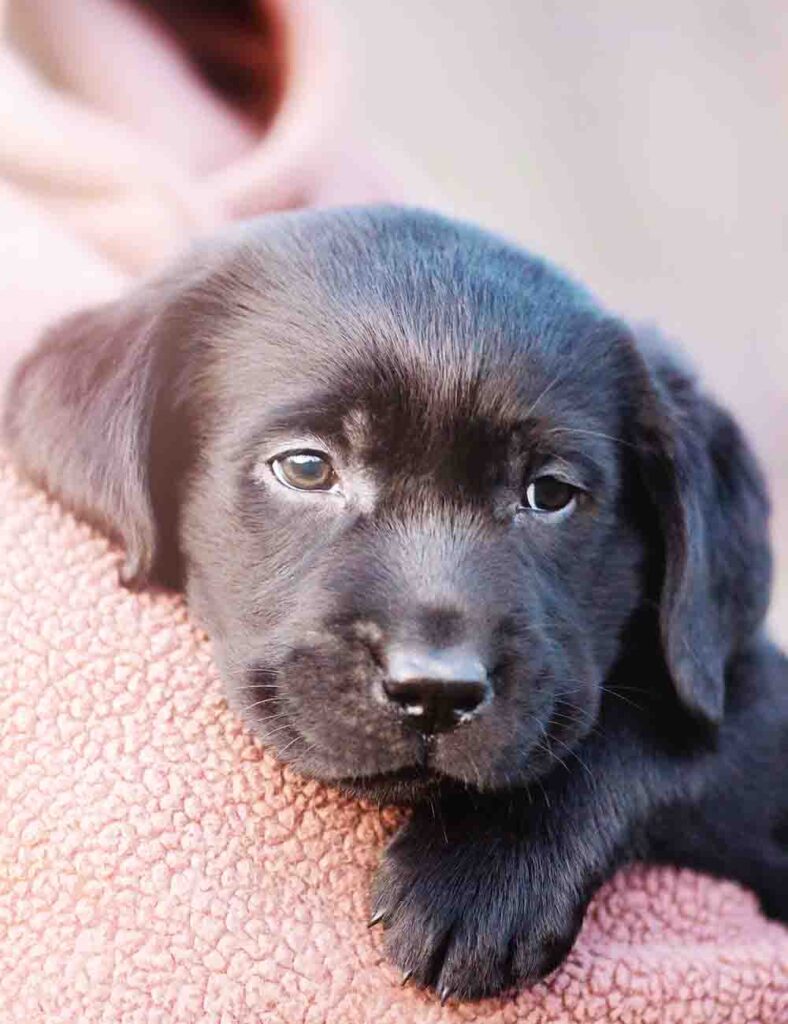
[(437, 690)]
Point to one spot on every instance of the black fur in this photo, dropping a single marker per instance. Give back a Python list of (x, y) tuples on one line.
[(638, 709)]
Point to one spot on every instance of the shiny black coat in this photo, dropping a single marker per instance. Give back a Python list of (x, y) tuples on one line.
[(635, 709)]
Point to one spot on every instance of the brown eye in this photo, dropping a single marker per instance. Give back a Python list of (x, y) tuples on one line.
[(548, 494), (304, 471)]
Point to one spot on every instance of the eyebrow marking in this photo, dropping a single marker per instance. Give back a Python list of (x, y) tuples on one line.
[(356, 427)]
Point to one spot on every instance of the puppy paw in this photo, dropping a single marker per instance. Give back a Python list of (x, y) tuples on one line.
[(473, 918)]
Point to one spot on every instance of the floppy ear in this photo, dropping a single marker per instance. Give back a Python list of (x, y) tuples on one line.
[(87, 417), (713, 509)]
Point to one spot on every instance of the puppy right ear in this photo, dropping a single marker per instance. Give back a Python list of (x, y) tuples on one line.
[(79, 419), (712, 507)]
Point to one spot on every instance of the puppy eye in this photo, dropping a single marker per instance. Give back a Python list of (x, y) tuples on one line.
[(304, 471), (549, 495)]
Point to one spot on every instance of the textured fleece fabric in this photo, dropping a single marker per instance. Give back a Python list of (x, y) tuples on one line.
[(157, 866)]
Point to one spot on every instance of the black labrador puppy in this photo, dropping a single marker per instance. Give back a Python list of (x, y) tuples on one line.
[(462, 540)]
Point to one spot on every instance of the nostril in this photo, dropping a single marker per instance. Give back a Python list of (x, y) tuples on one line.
[(435, 705), (409, 697), (436, 689), (464, 696)]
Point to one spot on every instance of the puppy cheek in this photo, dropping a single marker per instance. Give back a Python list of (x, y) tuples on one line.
[(487, 755), (329, 698), (544, 716)]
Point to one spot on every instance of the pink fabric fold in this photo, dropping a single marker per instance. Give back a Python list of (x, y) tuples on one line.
[(115, 154), (157, 865)]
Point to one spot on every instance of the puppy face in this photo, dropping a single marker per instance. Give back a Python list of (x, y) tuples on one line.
[(409, 476), (359, 508)]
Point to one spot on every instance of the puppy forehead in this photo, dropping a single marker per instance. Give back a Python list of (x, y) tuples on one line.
[(402, 408), (426, 375), (376, 314), (404, 423)]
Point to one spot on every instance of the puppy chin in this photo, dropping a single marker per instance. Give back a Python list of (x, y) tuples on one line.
[(440, 765), (407, 786)]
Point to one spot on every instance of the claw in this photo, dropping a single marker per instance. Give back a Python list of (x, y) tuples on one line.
[(444, 994), (376, 918), (406, 977)]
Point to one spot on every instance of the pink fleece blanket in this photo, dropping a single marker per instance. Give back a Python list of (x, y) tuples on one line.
[(157, 865)]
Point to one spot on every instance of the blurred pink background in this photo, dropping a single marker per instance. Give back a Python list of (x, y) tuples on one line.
[(642, 146)]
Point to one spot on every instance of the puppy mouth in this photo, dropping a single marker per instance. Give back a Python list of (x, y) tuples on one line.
[(413, 781), (403, 786)]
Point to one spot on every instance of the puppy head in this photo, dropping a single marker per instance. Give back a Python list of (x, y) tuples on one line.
[(418, 488)]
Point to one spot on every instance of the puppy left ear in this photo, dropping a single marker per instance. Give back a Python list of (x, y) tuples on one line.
[(713, 510), (89, 415)]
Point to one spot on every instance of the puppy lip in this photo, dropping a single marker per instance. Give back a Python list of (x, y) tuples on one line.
[(420, 769), (421, 773)]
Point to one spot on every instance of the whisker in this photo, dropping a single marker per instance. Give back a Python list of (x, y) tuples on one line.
[(560, 760), (543, 393), (560, 717), (307, 750), (476, 771), (287, 746), (622, 698), (276, 718), (578, 758), (593, 730), (540, 784), (591, 433), (259, 703), (545, 747), (561, 699), (282, 730)]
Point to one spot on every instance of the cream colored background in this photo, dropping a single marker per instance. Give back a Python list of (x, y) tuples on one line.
[(643, 146)]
